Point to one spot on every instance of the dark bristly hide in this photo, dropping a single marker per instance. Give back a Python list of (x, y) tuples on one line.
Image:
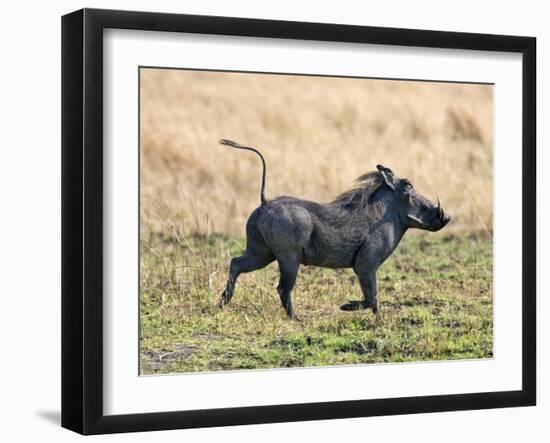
[(358, 197)]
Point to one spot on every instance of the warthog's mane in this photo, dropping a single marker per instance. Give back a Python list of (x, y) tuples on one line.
[(358, 197)]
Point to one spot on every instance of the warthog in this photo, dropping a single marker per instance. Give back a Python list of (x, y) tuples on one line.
[(359, 230)]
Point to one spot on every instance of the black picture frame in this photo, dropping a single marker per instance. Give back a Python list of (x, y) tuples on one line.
[(82, 219)]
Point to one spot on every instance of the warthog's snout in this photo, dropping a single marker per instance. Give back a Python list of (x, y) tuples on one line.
[(442, 216), (421, 213), (434, 219), (445, 218)]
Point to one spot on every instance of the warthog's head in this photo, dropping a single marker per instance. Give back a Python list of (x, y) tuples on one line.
[(415, 209)]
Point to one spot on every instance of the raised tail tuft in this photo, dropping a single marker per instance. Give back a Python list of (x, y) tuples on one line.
[(238, 146)]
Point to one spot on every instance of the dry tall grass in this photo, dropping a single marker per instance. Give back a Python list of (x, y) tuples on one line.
[(317, 135)]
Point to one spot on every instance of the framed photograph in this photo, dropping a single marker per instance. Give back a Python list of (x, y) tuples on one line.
[(269, 221)]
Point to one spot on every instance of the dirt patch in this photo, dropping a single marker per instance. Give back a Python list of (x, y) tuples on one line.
[(157, 359)]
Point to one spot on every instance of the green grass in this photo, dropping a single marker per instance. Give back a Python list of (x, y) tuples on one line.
[(435, 296)]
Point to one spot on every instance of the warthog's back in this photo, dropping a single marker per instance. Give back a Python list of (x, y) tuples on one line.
[(313, 230)]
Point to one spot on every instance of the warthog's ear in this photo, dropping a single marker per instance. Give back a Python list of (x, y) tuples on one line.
[(387, 175)]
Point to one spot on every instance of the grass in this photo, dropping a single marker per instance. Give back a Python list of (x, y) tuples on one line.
[(435, 298)]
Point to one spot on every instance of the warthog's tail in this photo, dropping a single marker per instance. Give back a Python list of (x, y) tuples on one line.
[(236, 145)]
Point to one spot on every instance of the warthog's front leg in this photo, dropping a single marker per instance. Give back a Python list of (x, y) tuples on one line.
[(367, 279)]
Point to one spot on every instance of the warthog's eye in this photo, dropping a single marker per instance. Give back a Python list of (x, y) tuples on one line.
[(407, 185)]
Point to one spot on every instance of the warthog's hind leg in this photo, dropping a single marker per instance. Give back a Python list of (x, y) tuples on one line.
[(288, 267), (245, 263)]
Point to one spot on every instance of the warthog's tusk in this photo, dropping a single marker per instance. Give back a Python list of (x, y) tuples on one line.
[(414, 219), (439, 211)]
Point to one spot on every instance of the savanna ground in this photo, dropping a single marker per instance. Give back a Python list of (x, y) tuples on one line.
[(317, 135)]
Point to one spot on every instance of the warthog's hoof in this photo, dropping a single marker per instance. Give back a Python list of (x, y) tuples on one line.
[(224, 300), (356, 305)]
